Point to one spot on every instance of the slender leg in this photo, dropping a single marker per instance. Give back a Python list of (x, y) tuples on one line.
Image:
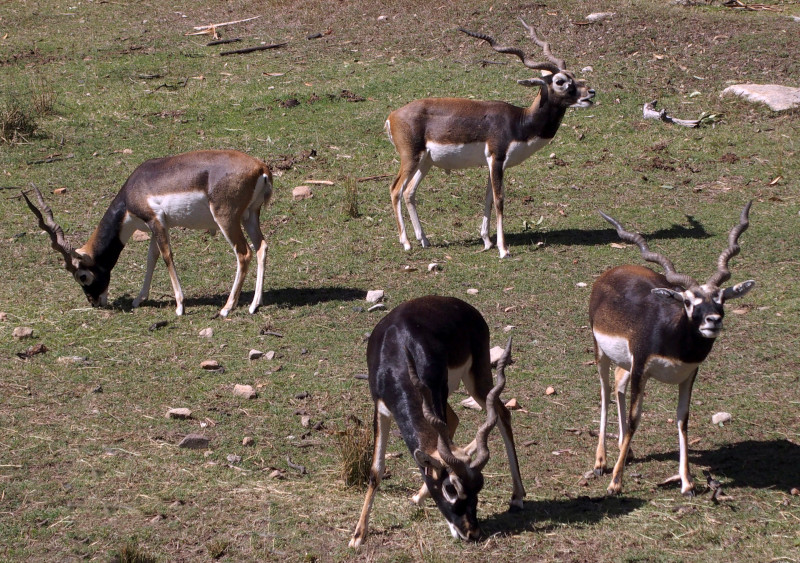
[(381, 421), (232, 230), (496, 178), (684, 398), (603, 365), (161, 236), (152, 257), (634, 415), (409, 194), (487, 212), (251, 225), (621, 378)]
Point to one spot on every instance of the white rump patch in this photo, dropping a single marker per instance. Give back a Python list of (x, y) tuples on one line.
[(457, 374), (187, 209)]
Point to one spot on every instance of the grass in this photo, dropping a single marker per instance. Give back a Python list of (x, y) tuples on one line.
[(98, 475)]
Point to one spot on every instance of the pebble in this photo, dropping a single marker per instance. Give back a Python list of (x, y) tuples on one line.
[(255, 354), (248, 441), (721, 418), (72, 360), (180, 413), (374, 295), (244, 391), (550, 390), (194, 442), (210, 364), (233, 458), (206, 333), (271, 354), (22, 332), (302, 192), (472, 291)]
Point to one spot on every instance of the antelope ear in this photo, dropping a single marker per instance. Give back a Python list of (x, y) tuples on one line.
[(667, 293), (738, 290), (425, 460), (84, 257), (531, 82)]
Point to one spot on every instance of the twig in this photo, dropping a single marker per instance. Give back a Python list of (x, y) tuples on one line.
[(378, 177), (201, 27), (251, 49), (649, 112), (299, 468), (223, 41), (50, 159)]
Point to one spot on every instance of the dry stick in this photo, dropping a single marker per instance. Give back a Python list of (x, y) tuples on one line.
[(200, 27), (378, 177), (251, 49), (649, 111), (223, 41)]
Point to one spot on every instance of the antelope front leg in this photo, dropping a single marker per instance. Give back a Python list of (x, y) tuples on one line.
[(684, 398), (410, 196), (152, 257), (161, 236), (487, 213), (634, 416), (381, 421), (496, 178)]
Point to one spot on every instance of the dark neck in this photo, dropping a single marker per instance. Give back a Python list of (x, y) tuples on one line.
[(542, 117), (105, 245)]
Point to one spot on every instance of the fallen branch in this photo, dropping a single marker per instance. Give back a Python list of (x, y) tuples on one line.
[(299, 468), (649, 112), (49, 159), (251, 49), (211, 29), (223, 41), (378, 177)]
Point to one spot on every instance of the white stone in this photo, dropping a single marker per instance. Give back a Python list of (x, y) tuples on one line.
[(244, 391), (472, 291), (179, 413), (206, 332), (374, 295), (255, 354), (22, 332), (720, 418), (778, 98), (302, 192)]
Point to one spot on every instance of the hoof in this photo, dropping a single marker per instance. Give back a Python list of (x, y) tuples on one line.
[(515, 506), (599, 471)]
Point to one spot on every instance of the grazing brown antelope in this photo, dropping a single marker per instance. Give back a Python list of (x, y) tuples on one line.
[(216, 189), (417, 355), (454, 133), (655, 326)]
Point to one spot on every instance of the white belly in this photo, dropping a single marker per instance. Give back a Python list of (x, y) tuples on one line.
[(453, 157), (658, 367), (188, 209)]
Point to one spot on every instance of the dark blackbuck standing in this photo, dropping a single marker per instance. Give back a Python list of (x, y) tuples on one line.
[(417, 355), (655, 326)]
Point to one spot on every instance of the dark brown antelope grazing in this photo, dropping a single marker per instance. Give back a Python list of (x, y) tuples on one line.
[(655, 326), (454, 133), (417, 355), (210, 190)]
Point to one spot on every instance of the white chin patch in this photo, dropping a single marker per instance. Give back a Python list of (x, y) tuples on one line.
[(709, 332), (456, 533)]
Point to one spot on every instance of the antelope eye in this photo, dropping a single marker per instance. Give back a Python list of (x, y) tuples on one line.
[(687, 302)]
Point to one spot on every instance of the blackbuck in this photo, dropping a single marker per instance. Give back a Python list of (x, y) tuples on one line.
[(454, 133), (655, 326), (417, 355), (212, 190)]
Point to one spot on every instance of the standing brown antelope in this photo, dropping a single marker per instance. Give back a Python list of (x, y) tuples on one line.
[(417, 355), (659, 326), (198, 190), (454, 133)]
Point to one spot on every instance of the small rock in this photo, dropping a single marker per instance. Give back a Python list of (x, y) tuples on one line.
[(303, 395), (233, 458), (3, 316), (22, 332), (210, 365), (374, 295), (778, 98), (513, 405), (434, 267), (550, 390), (181, 413), (302, 192), (508, 328), (157, 326), (587, 69), (98, 389), (277, 474), (255, 354), (194, 442), (305, 420), (472, 291), (72, 360), (59, 191), (244, 391), (495, 354), (581, 284), (206, 333), (383, 18), (795, 491), (140, 236), (358, 309), (599, 16), (248, 441), (271, 354), (470, 403), (721, 418), (377, 307)]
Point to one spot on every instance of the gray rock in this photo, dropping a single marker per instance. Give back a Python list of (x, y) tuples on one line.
[(194, 442), (22, 332), (374, 295), (721, 418), (778, 98), (179, 413), (244, 391), (255, 354)]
